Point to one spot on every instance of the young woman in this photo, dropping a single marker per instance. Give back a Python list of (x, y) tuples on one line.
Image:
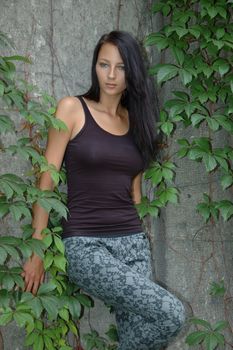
[(110, 142)]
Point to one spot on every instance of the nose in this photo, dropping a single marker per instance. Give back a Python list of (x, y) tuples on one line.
[(111, 72)]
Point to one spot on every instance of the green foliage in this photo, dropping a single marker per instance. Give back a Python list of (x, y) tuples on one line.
[(160, 175), (209, 335), (56, 309), (93, 340), (198, 34), (218, 289)]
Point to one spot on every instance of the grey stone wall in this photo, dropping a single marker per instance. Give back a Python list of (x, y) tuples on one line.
[(59, 36), (189, 254)]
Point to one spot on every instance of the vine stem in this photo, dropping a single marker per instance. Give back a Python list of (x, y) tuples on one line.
[(1, 341), (118, 14)]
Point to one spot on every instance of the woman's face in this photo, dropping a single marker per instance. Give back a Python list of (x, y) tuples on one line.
[(110, 70)]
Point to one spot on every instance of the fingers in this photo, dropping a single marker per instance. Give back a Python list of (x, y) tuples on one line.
[(35, 287), (30, 284), (42, 278)]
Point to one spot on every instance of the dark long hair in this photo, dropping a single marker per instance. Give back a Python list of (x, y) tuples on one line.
[(137, 97)]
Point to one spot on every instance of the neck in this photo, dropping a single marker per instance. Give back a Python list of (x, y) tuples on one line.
[(110, 103)]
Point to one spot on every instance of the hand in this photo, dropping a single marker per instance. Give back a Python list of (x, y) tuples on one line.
[(33, 273)]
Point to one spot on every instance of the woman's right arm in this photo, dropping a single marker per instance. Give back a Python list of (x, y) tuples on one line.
[(33, 270)]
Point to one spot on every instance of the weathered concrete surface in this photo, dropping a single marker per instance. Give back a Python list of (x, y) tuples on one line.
[(60, 36), (189, 254)]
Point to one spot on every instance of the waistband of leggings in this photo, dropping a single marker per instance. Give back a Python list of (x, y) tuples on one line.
[(108, 235)]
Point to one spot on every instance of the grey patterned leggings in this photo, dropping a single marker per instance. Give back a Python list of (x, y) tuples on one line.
[(117, 270)]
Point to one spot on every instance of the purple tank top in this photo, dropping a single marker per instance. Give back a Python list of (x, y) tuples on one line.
[(100, 168)]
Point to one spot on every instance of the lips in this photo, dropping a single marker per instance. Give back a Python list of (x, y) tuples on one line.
[(111, 85)]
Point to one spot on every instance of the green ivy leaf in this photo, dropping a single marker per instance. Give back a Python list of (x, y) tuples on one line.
[(168, 164), (197, 118), (4, 300), (224, 121), (166, 72), (179, 55), (7, 281), (226, 209), (155, 174), (22, 318), (210, 342), (200, 322), (183, 142), (212, 123), (74, 307), (39, 343), (19, 210), (84, 299), (46, 288), (37, 246), (30, 339), (203, 143), (210, 162), (64, 314), (217, 289), (3, 255), (156, 39), (2, 87), (6, 124), (226, 181), (195, 31), (204, 210), (156, 7), (182, 95), (220, 33), (48, 260), (231, 85), (167, 127), (220, 325), (195, 338), (51, 305), (52, 203), (60, 262), (17, 58), (167, 194), (220, 338), (167, 174), (112, 333), (195, 153), (48, 240), (182, 152), (36, 306), (185, 76), (5, 317), (59, 244)]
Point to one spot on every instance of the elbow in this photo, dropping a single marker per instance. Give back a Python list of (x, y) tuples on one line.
[(137, 199)]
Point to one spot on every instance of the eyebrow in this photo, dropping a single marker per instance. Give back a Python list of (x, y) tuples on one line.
[(104, 59)]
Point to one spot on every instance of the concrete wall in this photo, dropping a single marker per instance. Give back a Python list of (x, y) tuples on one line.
[(59, 36), (188, 254)]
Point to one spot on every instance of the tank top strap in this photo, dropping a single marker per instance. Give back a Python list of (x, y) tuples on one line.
[(88, 118)]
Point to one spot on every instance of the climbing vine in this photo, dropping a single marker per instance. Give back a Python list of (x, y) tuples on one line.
[(57, 308), (198, 34)]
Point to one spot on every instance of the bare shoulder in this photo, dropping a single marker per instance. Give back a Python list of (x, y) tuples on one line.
[(69, 110), (66, 106)]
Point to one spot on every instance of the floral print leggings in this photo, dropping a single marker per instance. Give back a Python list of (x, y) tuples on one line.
[(117, 270)]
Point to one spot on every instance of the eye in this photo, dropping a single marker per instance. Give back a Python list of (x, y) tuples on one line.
[(103, 65), (121, 68)]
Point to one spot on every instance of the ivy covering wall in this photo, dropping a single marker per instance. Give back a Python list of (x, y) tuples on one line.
[(197, 40)]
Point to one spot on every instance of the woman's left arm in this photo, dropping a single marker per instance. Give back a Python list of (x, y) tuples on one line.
[(136, 191)]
